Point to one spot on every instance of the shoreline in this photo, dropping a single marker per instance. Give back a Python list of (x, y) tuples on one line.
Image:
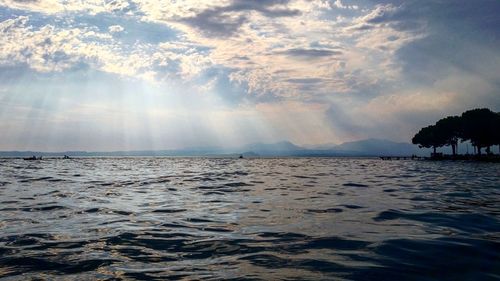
[(467, 157)]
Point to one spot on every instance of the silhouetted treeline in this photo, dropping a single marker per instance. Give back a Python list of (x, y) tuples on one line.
[(479, 126)]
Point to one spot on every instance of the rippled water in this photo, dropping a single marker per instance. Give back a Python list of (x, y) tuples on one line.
[(270, 219)]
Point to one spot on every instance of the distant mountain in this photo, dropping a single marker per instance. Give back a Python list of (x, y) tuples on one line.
[(367, 147), (379, 147), (320, 146)]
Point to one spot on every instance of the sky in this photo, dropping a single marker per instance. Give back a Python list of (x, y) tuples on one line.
[(155, 74)]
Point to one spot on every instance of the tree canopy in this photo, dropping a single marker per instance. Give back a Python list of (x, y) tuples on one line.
[(479, 126)]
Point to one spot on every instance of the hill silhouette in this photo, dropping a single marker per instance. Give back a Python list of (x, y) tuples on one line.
[(366, 147)]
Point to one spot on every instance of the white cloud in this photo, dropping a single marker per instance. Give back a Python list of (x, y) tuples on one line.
[(92, 7), (115, 29), (340, 5), (49, 48), (264, 41)]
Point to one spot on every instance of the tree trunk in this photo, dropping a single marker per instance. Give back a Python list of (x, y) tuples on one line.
[(454, 149), (479, 150), (488, 149), (434, 150)]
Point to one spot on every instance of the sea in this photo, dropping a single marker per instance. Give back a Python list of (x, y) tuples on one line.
[(249, 219)]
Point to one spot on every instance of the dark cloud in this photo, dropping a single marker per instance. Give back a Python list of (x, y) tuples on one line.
[(460, 16), (266, 7), (461, 35), (305, 80), (457, 52), (215, 23), (222, 21), (458, 39), (392, 38), (310, 53), (243, 58)]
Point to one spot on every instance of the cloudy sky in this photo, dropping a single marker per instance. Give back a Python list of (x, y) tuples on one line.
[(156, 74)]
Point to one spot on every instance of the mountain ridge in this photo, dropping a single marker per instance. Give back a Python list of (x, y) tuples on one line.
[(364, 147)]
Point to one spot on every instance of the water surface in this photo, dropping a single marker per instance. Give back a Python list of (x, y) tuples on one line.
[(249, 219)]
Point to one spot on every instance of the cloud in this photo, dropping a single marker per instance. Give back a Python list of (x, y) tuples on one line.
[(216, 23), (461, 38), (224, 21), (269, 8), (229, 28), (388, 16), (310, 53), (54, 6), (305, 80), (338, 4), (49, 48), (43, 50), (115, 29)]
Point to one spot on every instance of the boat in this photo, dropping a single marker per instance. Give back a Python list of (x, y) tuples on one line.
[(33, 158)]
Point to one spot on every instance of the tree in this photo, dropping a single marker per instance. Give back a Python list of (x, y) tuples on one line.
[(429, 137), (496, 129), (450, 130), (481, 127)]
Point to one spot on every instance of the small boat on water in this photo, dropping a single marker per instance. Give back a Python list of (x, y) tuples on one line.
[(33, 158)]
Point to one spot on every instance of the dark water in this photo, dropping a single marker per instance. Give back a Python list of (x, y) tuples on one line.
[(270, 219)]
